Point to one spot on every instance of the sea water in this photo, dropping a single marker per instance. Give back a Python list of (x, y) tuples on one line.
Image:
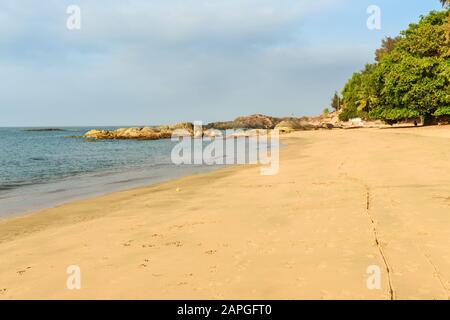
[(41, 169)]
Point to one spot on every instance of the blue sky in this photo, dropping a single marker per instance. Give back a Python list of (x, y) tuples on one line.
[(136, 62)]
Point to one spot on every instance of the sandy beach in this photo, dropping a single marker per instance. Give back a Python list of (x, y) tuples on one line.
[(344, 200)]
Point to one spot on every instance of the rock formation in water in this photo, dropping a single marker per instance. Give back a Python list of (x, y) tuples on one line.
[(43, 129), (251, 123), (140, 133)]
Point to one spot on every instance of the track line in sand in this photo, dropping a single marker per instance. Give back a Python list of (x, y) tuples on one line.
[(378, 243), (375, 234), (438, 274)]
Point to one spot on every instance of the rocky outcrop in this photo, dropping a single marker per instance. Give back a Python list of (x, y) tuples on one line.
[(140, 133), (44, 129), (259, 121), (251, 124), (295, 124), (326, 121), (256, 121)]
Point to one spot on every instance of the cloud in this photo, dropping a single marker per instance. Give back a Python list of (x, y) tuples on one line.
[(107, 25), (140, 61)]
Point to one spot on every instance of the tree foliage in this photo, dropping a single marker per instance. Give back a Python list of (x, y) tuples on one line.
[(387, 46), (411, 76), (336, 101)]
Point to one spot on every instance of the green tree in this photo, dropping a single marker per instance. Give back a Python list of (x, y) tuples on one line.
[(415, 75), (413, 87), (410, 79), (387, 46), (361, 93), (336, 101)]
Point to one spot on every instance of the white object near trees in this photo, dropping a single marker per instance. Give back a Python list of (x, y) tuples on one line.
[(358, 122)]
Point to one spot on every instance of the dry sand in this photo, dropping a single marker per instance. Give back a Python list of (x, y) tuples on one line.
[(343, 200)]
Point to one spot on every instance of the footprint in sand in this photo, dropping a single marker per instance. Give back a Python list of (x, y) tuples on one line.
[(21, 272), (145, 264), (128, 243), (210, 252), (174, 243), (3, 291)]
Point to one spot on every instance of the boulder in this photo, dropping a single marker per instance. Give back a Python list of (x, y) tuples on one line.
[(256, 121), (327, 125), (98, 134), (182, 125), (130, 133), (212, 133), (295, 124)]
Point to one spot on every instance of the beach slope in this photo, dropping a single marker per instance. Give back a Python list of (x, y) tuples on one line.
[(344, 202)]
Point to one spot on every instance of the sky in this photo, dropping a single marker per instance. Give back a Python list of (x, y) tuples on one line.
[(148, 62)]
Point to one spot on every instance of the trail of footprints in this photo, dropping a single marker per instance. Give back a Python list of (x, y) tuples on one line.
[(159, 238)]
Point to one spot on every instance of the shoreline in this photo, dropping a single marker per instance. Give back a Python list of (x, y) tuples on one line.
[(37, 215), (89, 186), (309, 232)]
